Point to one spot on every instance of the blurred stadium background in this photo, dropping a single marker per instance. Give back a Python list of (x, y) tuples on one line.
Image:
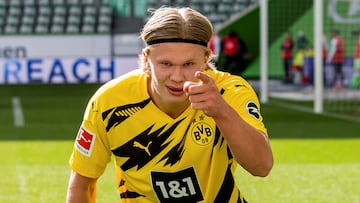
[(55, 53)]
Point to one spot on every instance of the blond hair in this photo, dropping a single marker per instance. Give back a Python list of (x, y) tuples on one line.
[(168, 23)]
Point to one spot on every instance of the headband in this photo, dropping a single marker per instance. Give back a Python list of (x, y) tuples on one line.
[(191, 41)]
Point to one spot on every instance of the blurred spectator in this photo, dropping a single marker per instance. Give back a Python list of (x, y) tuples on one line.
[(308, 71), (298, 66), (336, 56), (215, 46), (325, 48), (302, 41), (355, 80), (287, 56), (234, 50)]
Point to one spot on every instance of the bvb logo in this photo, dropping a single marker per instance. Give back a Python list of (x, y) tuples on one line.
[(202, 134)]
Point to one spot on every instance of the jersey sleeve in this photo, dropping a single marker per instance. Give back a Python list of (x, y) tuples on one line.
[(242, 97), (91, 152)]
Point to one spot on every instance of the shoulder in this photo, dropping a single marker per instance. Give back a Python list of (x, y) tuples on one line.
[(241, 96), (228, 82), (235, 90), (131, 83), (123, 90)]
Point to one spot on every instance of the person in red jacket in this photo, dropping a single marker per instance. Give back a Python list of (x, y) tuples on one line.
[(336, 56), (287, 56), (235, 53), (355, 80)]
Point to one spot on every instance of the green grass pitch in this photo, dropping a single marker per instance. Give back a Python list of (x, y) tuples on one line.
[(317, 158)]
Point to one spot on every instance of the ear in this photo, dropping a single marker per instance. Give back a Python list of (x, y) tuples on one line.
[(208, 58), (145, 61), (144, 55)]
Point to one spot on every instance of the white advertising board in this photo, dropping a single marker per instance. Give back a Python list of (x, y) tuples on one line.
[(54, 46), (64, 70)]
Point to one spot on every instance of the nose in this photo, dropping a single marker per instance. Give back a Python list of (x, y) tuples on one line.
[(177, 74)]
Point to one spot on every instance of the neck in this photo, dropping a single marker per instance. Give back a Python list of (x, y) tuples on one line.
[(174, 113), (173, 110)]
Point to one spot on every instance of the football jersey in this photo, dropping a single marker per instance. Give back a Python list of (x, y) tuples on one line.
[(159, 158)]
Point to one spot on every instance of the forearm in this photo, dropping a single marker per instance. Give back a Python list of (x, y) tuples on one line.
[(81, 189), (249, 146), (80, 195)]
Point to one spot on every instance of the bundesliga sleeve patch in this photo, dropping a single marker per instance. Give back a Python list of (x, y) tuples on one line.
[(85, 141), (253, 110)]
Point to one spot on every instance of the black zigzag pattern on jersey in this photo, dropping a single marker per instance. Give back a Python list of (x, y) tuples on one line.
[(175, 153), (226, 188), (129, 194), (220, 140), (241, 85), (217, 138), (155, 142), (121, 113), (222, 90)]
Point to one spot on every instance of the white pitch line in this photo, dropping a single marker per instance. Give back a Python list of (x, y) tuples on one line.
[(310, 110), (17, 112), (22, 181)]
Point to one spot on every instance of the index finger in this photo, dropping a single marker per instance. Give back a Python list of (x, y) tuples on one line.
[(202, 76)]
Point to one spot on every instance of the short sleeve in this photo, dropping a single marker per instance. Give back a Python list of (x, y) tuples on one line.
[(242, 97), (91, 152)]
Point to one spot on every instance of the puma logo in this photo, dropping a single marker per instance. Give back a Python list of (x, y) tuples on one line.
[(139, 145)]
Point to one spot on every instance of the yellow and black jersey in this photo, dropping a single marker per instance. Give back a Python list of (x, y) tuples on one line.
[(158, 158)]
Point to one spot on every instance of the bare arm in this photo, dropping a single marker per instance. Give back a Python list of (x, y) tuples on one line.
[(81, 189), (249, 146)]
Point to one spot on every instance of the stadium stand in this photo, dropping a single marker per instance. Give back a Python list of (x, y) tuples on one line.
[(218, 11), (129, 17), (18, 17), (32, 17)]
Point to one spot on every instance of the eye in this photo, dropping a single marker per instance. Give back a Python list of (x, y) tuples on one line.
[(188, 64), (165, 64)]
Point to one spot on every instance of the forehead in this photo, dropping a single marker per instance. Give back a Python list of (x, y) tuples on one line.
[(176, 51)]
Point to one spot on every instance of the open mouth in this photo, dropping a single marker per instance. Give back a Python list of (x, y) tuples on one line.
[(175, 91)]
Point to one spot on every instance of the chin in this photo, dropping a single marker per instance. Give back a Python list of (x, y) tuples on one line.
[(176, 99)]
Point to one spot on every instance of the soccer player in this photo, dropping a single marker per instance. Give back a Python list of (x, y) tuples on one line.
[(177, 127)]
